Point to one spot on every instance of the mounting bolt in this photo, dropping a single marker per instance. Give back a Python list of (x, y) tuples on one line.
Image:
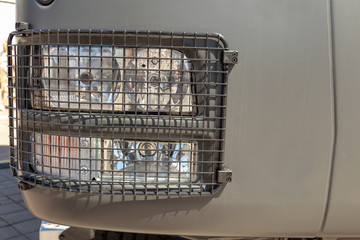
[(23, 186)]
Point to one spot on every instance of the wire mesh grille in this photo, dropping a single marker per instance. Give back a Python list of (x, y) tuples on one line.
[(117, 112)]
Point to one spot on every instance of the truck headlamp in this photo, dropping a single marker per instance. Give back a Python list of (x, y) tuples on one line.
[(119, 112), (123, 161), (150, 161), (83, 77)]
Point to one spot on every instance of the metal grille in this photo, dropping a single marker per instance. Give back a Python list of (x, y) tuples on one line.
[(118, 112)]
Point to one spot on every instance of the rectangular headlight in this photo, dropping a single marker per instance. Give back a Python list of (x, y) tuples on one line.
[(75, 158), (111, 78), (148, 161)]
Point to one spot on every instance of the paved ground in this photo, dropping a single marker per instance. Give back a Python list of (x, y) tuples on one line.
[(4, 139), (16, 222)]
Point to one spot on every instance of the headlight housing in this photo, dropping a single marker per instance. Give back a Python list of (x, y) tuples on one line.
[(118, 112)]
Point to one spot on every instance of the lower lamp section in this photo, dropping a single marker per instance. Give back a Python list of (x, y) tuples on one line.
[(113, 160)]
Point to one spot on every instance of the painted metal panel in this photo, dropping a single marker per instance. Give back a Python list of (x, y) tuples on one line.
[(279, 117), (343, 218)]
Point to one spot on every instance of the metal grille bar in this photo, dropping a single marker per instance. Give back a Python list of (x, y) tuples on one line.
[(117, 112)]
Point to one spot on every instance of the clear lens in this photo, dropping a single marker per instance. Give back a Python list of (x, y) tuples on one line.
[(158, 80), (83, 77), (123, 161), (64, 157), (150, 161), (75, 77)]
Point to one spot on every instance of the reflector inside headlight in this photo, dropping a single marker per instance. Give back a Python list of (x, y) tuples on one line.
[(150, 161), (111, 78), (123, 161), (75, 77), (158, 80)]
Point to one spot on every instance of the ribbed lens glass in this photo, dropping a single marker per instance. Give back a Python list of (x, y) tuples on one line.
[(77, 158), (65, 157), (150, 161), (84, 77), (158, 80), (75, 77)]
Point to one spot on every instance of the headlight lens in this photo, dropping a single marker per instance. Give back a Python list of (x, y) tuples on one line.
[(84, 78), (158, 80), (64, 157), (150, 161), (75, 77), (123, 161)]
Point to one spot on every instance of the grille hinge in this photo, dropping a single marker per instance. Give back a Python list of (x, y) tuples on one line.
[(224, 176), (21, 26), (230, 57)]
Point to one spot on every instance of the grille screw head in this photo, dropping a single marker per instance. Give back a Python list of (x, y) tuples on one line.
[(84, 143)]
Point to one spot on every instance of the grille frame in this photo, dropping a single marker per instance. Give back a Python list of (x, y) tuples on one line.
[(206, 125)]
